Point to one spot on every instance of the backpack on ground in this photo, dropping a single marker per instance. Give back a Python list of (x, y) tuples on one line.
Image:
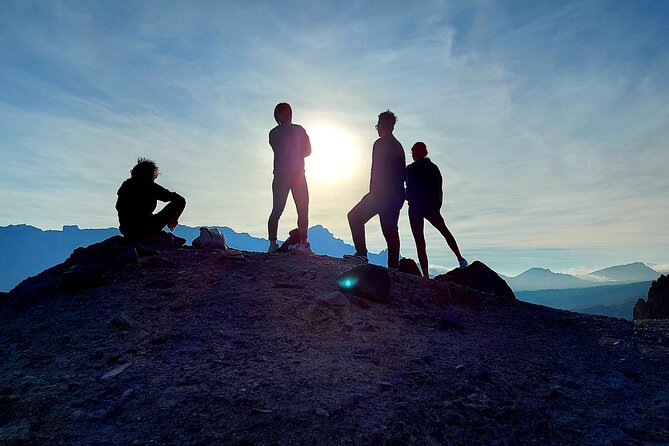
[(210, 238), (293, 239), (409, 266)]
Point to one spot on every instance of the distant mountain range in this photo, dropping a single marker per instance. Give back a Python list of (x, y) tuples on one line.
[(608, 300), (543, 279), (536, 279), (26, 250)]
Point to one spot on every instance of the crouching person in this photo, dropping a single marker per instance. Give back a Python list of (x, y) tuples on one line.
[(137, 199)]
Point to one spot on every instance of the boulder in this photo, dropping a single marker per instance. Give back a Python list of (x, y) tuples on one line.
[(478, 276), (657, 305), (369, 281)]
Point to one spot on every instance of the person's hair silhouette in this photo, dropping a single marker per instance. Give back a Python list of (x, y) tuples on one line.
[(425, 195), (137, 199), (291, 145), (386, 192)]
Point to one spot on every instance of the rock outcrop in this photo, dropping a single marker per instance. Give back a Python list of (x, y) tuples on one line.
[(657, 305), (478, 276)]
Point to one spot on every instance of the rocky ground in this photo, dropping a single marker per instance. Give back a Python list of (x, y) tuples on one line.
[(197, 347)]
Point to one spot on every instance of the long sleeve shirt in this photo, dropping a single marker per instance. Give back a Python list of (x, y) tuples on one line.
[(138, 199), (424, 185), (291, 145), (388, 168)]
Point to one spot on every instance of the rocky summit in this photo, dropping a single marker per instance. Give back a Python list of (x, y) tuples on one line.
[(133, 344), (657, 304)]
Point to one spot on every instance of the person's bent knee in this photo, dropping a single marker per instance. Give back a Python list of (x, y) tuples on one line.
[(350, 216)]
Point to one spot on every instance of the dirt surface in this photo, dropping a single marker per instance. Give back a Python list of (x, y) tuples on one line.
[(193, 347)]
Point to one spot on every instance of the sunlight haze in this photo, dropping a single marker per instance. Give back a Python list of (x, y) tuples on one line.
[(547, 119)]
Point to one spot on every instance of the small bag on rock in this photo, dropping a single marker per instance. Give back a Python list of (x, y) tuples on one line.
[(409, 266), (210, 238)]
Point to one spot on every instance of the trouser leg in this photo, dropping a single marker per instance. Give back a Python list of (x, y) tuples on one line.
[(280, 189), (357, 217), (301, 197), (160, 219), (389, 216), (417, 224), (438, 222)]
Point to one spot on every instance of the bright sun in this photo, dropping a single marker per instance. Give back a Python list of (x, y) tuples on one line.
[(332, 154)]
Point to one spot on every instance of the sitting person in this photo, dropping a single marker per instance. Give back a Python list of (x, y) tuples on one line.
[(137, 199), (424, 194)]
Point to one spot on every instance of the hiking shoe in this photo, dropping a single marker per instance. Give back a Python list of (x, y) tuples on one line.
[(463, 264), (273, 246), (178, 241), (356, 256)]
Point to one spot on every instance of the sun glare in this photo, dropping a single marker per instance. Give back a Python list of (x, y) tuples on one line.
[(332, 154)]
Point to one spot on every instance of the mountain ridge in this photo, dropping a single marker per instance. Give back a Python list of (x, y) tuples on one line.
[(188, 346)]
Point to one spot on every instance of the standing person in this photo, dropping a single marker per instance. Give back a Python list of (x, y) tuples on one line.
[(386, 192), (425, 195), (291, 145), (137, 199)]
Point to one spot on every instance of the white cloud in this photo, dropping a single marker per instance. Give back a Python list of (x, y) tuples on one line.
[(660, 267)]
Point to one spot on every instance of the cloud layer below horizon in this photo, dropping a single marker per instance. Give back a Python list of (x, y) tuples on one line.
[(547, 120)]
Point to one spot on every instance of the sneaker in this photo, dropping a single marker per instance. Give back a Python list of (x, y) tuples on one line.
[(273, 246), (356, 256), (304, 247), (463, 264)]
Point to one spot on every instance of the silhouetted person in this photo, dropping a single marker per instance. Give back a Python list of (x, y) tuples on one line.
[(425, 195), (291, 145), (386, 192), (137, 199)]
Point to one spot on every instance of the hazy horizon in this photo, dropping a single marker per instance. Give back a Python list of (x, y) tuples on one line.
[(548, 121), (489, 257)]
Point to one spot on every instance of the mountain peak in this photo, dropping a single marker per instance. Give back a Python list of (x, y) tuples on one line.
[(631, 272), (542, 279), (539, 270)]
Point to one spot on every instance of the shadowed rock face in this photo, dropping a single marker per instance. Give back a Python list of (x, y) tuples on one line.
[(187, 346), (657, 305), (88, 267), (478, 276)]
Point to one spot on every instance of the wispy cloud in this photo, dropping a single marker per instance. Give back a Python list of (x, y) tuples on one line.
[(548, 121)]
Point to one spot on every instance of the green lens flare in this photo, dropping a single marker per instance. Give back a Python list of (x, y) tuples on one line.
[(347, 283)]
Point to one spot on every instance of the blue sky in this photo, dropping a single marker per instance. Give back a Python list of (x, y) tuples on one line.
[(547, 119)]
